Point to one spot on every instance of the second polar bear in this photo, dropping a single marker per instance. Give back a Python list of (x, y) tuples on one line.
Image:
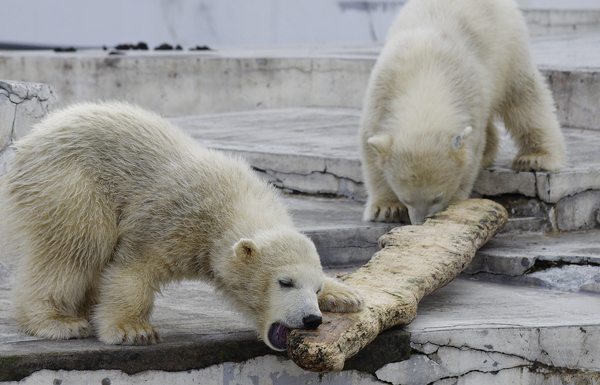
[(447, 70), (110, 202)]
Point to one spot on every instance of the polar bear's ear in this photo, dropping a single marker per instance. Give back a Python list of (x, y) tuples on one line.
[(381, 144), (458, 140), (245, 248)]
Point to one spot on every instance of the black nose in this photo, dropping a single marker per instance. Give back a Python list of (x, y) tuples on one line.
[(312, 321)]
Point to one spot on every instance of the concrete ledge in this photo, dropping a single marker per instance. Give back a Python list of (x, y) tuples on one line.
[(234, 79), (198, 330), (562, 21), (469, 331)]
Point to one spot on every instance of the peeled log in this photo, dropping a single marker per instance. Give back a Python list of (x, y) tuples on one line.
[(414, 261)]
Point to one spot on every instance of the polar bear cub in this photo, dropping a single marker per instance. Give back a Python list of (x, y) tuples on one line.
[(109, 202), (447, 70)]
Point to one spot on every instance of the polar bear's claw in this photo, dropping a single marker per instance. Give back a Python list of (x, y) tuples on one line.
[(144, 334), (536, 162), (385, 212)]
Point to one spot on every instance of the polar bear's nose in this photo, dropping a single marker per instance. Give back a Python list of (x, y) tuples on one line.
[(312, 321)]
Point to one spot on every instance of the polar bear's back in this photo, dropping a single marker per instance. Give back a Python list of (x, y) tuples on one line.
[(494, 31), (122, 145), (94, 173), (495, 20), (107, 137)]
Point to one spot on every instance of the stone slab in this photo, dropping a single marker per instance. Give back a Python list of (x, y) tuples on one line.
[(229, 79), (464, 327), (315, 150)]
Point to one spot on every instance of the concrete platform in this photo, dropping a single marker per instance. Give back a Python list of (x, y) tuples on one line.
[(467, 328), (229, 79), (315, 151)]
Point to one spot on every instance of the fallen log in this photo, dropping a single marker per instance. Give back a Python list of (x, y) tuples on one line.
[(414, 261)]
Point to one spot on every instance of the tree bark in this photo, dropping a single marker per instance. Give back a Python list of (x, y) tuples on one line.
[(414, 261)]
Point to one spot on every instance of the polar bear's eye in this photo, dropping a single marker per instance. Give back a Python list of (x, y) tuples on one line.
[(286, 283), (438, 198)]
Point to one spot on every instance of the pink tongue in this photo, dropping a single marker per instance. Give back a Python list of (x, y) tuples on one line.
[(282, 333)]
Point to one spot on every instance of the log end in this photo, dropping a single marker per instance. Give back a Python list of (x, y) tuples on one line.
[(316, 350)]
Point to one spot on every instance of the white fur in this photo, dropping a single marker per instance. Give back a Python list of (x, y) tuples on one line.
[(447, 66), (109, 202)]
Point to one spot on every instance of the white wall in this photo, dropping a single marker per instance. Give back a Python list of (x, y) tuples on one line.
[(194, 22), (209, 22)]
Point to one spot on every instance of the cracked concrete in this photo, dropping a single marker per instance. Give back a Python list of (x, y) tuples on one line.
[(21, 105)]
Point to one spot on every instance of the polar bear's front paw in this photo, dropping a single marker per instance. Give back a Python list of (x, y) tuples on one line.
[(537, 162), (340, 298), (130, 334), (385, 212)]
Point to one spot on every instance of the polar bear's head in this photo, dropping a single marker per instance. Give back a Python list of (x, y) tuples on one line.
[(426, 171), (279, 277)]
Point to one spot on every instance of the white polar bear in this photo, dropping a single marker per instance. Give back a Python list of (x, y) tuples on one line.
[(447, 70), (109, 202)]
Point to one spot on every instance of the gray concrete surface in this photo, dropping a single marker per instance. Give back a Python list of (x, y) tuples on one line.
[(336, 228), (315, 151), (465, 327), (236, 79)]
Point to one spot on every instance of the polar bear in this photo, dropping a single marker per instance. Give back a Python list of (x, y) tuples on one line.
[(447, 70), (110, 202)]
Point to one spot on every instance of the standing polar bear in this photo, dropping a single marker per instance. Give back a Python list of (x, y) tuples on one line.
[(447, 70), (109, 202)]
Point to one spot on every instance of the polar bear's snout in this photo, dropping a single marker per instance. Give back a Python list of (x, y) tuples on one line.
[(312, 321)]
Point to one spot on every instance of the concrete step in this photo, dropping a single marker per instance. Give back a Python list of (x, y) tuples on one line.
[(568, 261), (336, 228), (558, 261), (315, 151), (228, 79), (469, 332)]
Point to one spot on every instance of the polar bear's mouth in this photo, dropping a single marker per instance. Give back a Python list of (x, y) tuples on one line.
[(277, 335)]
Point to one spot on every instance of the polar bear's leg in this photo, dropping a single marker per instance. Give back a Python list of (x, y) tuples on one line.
[(382, 203), (65, 246), (50, 301), (125, 304), (531, 121), (491, 145), (340, 298)]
